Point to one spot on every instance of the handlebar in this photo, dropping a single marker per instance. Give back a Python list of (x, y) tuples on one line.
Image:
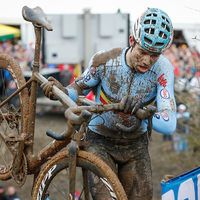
[(80, 114), (71, 114)]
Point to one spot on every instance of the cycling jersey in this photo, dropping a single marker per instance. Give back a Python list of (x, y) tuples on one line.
[(113, 79)]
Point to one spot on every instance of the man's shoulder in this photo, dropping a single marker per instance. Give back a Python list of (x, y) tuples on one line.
[(104, 56), (163, 65), (112, 52), (163, 61)]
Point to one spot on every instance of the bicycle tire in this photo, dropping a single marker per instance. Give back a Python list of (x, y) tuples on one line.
[(60, 163), (15, 112)]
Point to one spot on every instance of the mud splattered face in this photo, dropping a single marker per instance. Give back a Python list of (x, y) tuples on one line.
[(140, 59)]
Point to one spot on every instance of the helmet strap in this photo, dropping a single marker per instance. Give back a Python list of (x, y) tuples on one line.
[(134, 43)]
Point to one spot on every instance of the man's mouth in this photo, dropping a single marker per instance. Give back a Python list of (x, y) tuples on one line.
[(143, 69)]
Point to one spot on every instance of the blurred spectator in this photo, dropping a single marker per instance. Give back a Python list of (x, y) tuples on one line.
[(77, 194), (167, 142), (195, 84), (2, 193), (12, 194), (10, 89), (66, 73), (181, 81), (182, 129)]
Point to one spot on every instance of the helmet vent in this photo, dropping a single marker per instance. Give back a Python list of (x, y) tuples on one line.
[(162, 35), (152, 15), (147, 40), (159, 44), (166, 27), (150, 30), (150, 21), (165, 19)]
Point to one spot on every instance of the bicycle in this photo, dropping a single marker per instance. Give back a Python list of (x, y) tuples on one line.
[(17, 122)]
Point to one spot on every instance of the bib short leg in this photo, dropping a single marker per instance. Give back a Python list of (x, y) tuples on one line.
[(129, 159)]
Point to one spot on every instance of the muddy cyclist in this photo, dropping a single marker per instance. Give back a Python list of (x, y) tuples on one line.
[(137, 76)]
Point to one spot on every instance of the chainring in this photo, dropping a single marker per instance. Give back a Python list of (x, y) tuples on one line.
[(20, 176)]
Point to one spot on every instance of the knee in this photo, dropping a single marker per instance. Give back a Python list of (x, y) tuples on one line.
[(143, 191)]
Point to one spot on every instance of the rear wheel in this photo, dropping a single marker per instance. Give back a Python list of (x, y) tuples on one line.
[(53, 180), (13, 114)]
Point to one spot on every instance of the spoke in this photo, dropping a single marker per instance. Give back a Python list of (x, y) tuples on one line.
[(59, 191), (5, 121), (62, 184), (79, 198), (6, 165), (2, 135)]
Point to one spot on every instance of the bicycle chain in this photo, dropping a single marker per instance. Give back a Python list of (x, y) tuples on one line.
[(20, 177)]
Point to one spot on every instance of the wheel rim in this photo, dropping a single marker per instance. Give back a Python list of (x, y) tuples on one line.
[(10, 121), (49, 180), (11, 113)]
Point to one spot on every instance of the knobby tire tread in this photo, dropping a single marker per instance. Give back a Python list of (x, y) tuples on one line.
[(9, 63), (112, 177)]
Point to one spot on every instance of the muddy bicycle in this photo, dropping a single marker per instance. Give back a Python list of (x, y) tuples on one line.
[(17, 127)]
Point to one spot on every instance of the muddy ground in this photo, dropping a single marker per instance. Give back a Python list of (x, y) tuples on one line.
[(159, 151)]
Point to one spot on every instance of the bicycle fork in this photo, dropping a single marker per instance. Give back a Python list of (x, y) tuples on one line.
[(72, 169), (74, 146), (72, 173)]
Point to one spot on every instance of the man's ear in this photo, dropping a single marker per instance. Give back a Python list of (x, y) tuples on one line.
[(131, 40)]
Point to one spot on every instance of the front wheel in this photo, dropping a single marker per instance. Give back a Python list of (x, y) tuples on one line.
[(53, 180)]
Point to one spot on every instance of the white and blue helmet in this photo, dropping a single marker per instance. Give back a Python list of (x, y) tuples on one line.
[(153, 30)]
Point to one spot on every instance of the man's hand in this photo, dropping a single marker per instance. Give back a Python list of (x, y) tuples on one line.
[(47, 87), (130, 104)]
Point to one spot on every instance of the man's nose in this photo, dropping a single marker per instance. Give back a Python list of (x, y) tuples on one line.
[(147, 60)]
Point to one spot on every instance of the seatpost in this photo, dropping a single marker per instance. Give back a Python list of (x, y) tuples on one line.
[(33, 95)]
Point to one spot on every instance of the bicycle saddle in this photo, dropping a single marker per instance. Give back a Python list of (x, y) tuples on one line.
[(37, 16)]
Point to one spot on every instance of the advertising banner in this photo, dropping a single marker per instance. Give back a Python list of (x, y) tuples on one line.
[(183, 187)]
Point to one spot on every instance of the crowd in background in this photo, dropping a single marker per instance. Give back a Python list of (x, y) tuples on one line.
[(23, 53), (186, 63), (185, 60)]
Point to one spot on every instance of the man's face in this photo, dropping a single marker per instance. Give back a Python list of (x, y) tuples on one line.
[(141, 59)]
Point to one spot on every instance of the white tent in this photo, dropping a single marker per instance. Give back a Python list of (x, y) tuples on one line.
[(191, 32)]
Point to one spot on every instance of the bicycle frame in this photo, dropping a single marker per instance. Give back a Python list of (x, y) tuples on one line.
[(35, 161)]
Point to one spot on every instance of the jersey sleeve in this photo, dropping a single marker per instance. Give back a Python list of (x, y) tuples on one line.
[(84, 84), (164, 121)]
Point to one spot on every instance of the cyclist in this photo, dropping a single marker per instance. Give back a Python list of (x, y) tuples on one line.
[(137, 76)]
